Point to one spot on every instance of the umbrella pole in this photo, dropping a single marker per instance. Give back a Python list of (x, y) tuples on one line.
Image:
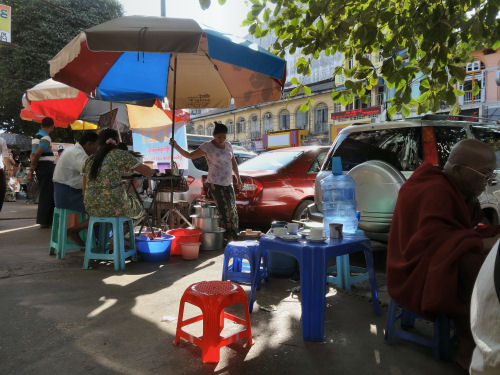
[(172, 210)]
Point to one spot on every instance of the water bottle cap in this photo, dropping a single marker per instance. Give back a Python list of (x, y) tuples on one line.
[(336, 165)]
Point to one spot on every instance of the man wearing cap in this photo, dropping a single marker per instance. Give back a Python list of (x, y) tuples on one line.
[(42, 163)]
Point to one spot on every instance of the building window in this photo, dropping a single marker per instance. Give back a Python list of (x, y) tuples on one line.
[(474, 66), (268, 122), (337, 107), (241, 127), (350, 63), (230, 127), (284, 120), (321, 118), (210, 129), (190, 127), (254, 127), (357, 103), (301, 119), (200, 130)]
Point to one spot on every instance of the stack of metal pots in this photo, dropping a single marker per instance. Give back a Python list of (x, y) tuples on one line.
[(205, 219)]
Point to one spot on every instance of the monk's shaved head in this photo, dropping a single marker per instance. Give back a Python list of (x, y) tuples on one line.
[(469, 165), (471, 152)]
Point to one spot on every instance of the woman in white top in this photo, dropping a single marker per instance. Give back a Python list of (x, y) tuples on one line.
[(221, 165)]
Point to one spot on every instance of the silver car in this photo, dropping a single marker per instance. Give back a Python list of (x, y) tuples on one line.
[(381, 156)]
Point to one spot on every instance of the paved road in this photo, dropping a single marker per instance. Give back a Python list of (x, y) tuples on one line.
[(59, 319)]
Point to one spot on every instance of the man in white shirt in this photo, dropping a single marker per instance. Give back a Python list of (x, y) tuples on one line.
[(485, 317), (68, 179), (4, 169)]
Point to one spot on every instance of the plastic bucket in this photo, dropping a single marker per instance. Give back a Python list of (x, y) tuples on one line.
[(183, 235), (154, 250), (190, 250)]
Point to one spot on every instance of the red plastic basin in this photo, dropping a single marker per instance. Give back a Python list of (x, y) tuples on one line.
[(183, 235)]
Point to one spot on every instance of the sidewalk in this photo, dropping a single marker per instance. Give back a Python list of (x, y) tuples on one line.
[(60, 319)]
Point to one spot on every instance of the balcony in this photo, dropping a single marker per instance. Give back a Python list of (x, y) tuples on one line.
[(255, 135), (468, 98)]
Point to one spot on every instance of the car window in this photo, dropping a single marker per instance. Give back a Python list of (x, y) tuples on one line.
[(490, 135), (241, 159), (201, 164), (318, 162), (446, 137), (400, 147), (269, 161)]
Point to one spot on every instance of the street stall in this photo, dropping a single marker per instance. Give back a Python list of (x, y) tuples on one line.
[(140, 58)]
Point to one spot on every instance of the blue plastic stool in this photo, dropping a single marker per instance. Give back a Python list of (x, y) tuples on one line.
[(343, 269), (252, 272), (95, 248), (440, 342), (344, 280), (59, 242)]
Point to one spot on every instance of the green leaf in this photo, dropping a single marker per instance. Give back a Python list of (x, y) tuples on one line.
[(294, 81), (307, 90), (457, 71), (222, 2), (475, 88), (266, 15), (304, 108), (406, 111)]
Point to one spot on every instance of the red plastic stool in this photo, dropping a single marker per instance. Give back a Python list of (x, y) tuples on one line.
[(212, 297)]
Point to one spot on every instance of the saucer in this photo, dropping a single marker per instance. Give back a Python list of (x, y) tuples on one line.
[(322, 239), (289, 237), (305, 232)]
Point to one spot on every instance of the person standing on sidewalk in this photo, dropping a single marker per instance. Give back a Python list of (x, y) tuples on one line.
[(42, 163), (5, 169), (221, 166)]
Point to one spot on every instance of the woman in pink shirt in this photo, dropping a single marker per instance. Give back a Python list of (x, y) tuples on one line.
[(221, 165)]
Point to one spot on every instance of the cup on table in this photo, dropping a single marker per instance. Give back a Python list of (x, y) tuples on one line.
[(316, 233), (279, 231), (335, 230), (292, 228)]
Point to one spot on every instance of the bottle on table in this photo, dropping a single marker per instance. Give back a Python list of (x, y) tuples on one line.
[(339, 204)]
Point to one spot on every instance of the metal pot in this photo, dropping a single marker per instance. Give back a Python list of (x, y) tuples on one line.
[(163, 196), (213, 240), (208, 211), (205, 224), (197, 210)]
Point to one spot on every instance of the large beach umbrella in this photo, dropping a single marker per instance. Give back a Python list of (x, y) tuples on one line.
[(132, 58), (137, 58), (67, 105)]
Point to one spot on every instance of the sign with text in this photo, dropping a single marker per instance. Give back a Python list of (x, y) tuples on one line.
[(356, 112), (154, 145), (5, 17)]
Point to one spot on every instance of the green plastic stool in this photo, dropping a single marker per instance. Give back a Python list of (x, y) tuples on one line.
[(59, 242), (95, 247)]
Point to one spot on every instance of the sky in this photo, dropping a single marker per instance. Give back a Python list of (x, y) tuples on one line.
[(226, 18)]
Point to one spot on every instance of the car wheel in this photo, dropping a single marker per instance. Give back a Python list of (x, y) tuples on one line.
[(301, 212)]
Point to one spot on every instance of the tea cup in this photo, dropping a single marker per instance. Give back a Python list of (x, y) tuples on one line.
[(316, 233), (292, 228)]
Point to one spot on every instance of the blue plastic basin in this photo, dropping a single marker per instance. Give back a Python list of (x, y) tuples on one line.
[(155, 250)]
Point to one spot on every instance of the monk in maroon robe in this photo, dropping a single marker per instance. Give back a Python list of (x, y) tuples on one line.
[(435, 247)]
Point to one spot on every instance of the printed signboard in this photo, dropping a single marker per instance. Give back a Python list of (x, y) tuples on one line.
[(5, 16), (154, 145), (356, 112)]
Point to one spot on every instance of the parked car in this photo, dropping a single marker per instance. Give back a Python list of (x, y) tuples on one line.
[(381, 156), (198, 167), (278, 185)]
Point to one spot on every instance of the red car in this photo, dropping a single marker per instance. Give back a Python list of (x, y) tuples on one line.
[(278, 185)]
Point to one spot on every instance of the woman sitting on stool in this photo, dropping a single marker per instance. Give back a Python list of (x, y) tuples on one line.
[(103, 191)]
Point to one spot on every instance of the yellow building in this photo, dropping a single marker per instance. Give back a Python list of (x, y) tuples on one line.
[(248, 126)]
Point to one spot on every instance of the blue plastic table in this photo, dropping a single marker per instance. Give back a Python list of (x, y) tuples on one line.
[(313, 258)]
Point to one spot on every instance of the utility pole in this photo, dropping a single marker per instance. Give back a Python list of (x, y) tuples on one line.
[(163, 8)]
